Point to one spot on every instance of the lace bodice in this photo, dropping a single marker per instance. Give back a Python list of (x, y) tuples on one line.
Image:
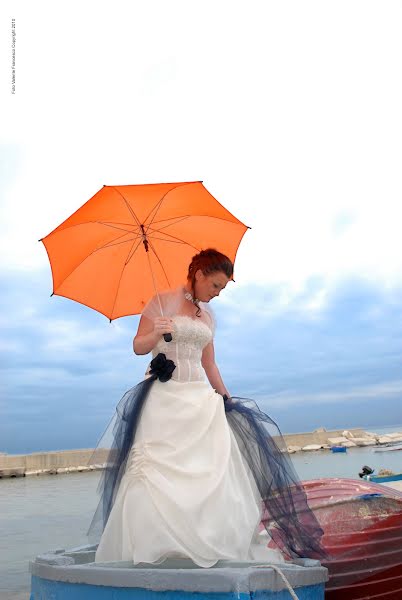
[(190, 337)]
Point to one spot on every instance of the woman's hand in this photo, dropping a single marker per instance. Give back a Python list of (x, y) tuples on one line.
[(228, 403), (163, 325), (227, 399), (149, 333)]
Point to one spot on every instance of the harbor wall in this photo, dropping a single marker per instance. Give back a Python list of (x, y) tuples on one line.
[(14, 465), (68, 461)]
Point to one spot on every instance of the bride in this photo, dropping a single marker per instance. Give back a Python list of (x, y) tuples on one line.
[(192, 472)]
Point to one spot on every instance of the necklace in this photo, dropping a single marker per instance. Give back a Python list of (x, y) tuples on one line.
[(189, 297)]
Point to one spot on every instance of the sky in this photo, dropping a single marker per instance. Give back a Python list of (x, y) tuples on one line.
[(289, 112)]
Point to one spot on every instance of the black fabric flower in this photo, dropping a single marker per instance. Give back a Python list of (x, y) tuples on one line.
[(161, 367)]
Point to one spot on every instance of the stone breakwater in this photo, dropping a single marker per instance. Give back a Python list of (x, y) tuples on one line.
[(322, 439), (52, 463), (73, 461)]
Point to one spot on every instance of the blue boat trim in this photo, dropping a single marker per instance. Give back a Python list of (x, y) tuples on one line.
[(369, 496), (67, 591), (385, 479)]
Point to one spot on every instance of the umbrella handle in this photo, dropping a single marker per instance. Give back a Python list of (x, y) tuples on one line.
[(166, 336)]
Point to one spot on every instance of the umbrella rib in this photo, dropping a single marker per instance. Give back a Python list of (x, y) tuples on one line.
[(158, 259), (156, 208), (132, 253), (113, 223), (122, 271), (128, 206), (174, 222), (122, 229), (85, 258), (114, 242), (209, 217), (179, 220), (159, 203), (115, 226), (154, 237), (179, 217), (176, 238)]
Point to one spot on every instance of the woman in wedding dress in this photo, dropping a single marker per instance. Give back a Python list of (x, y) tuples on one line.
[(192, 472)]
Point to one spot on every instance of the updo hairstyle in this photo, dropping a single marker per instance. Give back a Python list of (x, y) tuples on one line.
[(208, 261)]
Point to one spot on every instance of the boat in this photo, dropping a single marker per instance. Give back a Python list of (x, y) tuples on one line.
[(338, 448), (384, 475), (389, 448), (362, 523), (384, 478), (73, 574)]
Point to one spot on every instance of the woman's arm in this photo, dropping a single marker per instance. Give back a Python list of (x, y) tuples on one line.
[(149, 333), (212, 371)]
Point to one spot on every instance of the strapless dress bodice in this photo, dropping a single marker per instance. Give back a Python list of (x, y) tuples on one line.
[(189, 338)]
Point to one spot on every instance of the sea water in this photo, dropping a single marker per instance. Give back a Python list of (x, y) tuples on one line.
[(47, 512)]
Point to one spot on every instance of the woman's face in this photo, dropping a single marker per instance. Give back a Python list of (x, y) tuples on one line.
[(209, 286)]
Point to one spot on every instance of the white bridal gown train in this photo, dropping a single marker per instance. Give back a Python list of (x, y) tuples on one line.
[(186, 491)]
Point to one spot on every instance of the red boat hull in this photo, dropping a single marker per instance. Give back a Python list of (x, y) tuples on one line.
[(362, 523)]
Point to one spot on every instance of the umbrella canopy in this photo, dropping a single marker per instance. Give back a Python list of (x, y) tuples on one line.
[(128, 239)]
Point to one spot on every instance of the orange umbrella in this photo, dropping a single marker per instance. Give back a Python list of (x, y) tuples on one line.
[(128, 241)]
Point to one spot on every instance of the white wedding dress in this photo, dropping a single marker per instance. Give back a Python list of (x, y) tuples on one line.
[(186, 491)]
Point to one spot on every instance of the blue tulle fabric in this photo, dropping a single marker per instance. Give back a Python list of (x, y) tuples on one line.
[(128, 413), (285, 511), (286, 516)]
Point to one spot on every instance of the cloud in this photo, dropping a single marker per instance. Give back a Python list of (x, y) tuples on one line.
[(64, 367), (389, 389), (348, 351), (61, 360), (310, 162), (303, 146)]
